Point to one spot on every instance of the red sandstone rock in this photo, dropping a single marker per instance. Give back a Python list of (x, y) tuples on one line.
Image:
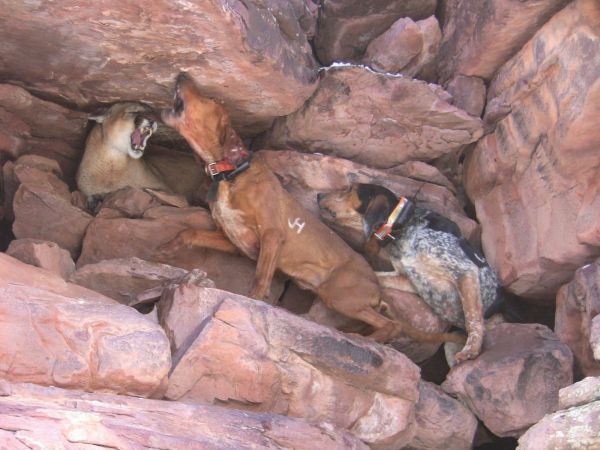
[(574, 428), (346, 27), (36, 417), (56, 333), (533, 179), (406, 47), (251, 54), (418, 170), (376, 119), (481, 35), (128, 202), (125, 280), (580, 393), (250, 355), (442, 422), (468, 94), (43, 208), (44, 254), (124, 238), (304, 176), (577, 304), (515, 381)]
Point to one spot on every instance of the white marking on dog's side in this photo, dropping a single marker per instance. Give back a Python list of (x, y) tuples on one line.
[(296, 223)]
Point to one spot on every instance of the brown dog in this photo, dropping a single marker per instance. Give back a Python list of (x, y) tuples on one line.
[(263, 221)]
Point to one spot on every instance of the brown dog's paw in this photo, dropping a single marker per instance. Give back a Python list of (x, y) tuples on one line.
[(174, 246)]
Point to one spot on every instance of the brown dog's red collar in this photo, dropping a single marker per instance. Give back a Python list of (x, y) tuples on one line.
[(385, 230), (215, 168)]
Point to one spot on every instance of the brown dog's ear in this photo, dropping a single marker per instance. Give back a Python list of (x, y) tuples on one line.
[(376, 214)]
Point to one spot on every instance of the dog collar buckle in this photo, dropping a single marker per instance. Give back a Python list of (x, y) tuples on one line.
[(214, 169), (385, 230)]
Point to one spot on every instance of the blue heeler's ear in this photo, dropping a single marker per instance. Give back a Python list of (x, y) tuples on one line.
[(376, 214)]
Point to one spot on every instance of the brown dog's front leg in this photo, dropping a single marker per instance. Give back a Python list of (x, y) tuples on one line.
[(194, 237), (470, 294), (271, 242)]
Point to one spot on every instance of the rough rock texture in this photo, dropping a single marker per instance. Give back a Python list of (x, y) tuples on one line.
[(575, 428), (253, 55), (44, 254), (515, 381), (481, 35), (51, 418), (376, 119), (247, 354), (595, 337), (304, 176), (580, 393), (442, 422), (55, 333), (128, 279), (43, 206), (127, 202), (346, 27), (577, 304), (406, 47), (468, 94), (29, 125), (534, 181), (124, 238)]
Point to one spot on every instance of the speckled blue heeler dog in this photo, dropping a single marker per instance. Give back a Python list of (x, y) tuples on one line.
[(425, 247)]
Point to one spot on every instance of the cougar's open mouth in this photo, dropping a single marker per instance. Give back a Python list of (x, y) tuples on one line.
[(140, 136)]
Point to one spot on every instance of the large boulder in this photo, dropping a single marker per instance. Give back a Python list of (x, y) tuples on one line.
[(577, 304), (51, 418), (43, 205), (574, 426), (516, 379), (376, 119), (232, 351), (534, 180), (254, 55), (346, 27), (56, 333), (442, 422), (481, 35)]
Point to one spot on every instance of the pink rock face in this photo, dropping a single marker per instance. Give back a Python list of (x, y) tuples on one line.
[(304, 176), (346, 27), (481, 35), (55, 333), (468, 93), (44, 254), (535, 179), (43, 208), (259, 63), (577, 305), (37, 417), (580, 393), (126, 280), (250, 355), (124, 238), (565, 430), (515, 381), (375, 119), (29, 125), (406, 47), (441, 421)]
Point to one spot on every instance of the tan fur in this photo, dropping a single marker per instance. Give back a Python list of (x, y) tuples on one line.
[(270, 226), (107, 164)]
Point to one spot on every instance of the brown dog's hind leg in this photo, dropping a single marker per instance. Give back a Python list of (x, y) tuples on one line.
[(470, 295), (353, 301), (271, 241)]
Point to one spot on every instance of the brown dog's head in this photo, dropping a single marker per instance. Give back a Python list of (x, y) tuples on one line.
[(362, 207), (203, 122)]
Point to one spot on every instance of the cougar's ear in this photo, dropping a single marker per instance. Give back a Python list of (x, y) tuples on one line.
[(376, 214), (98, 118)]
